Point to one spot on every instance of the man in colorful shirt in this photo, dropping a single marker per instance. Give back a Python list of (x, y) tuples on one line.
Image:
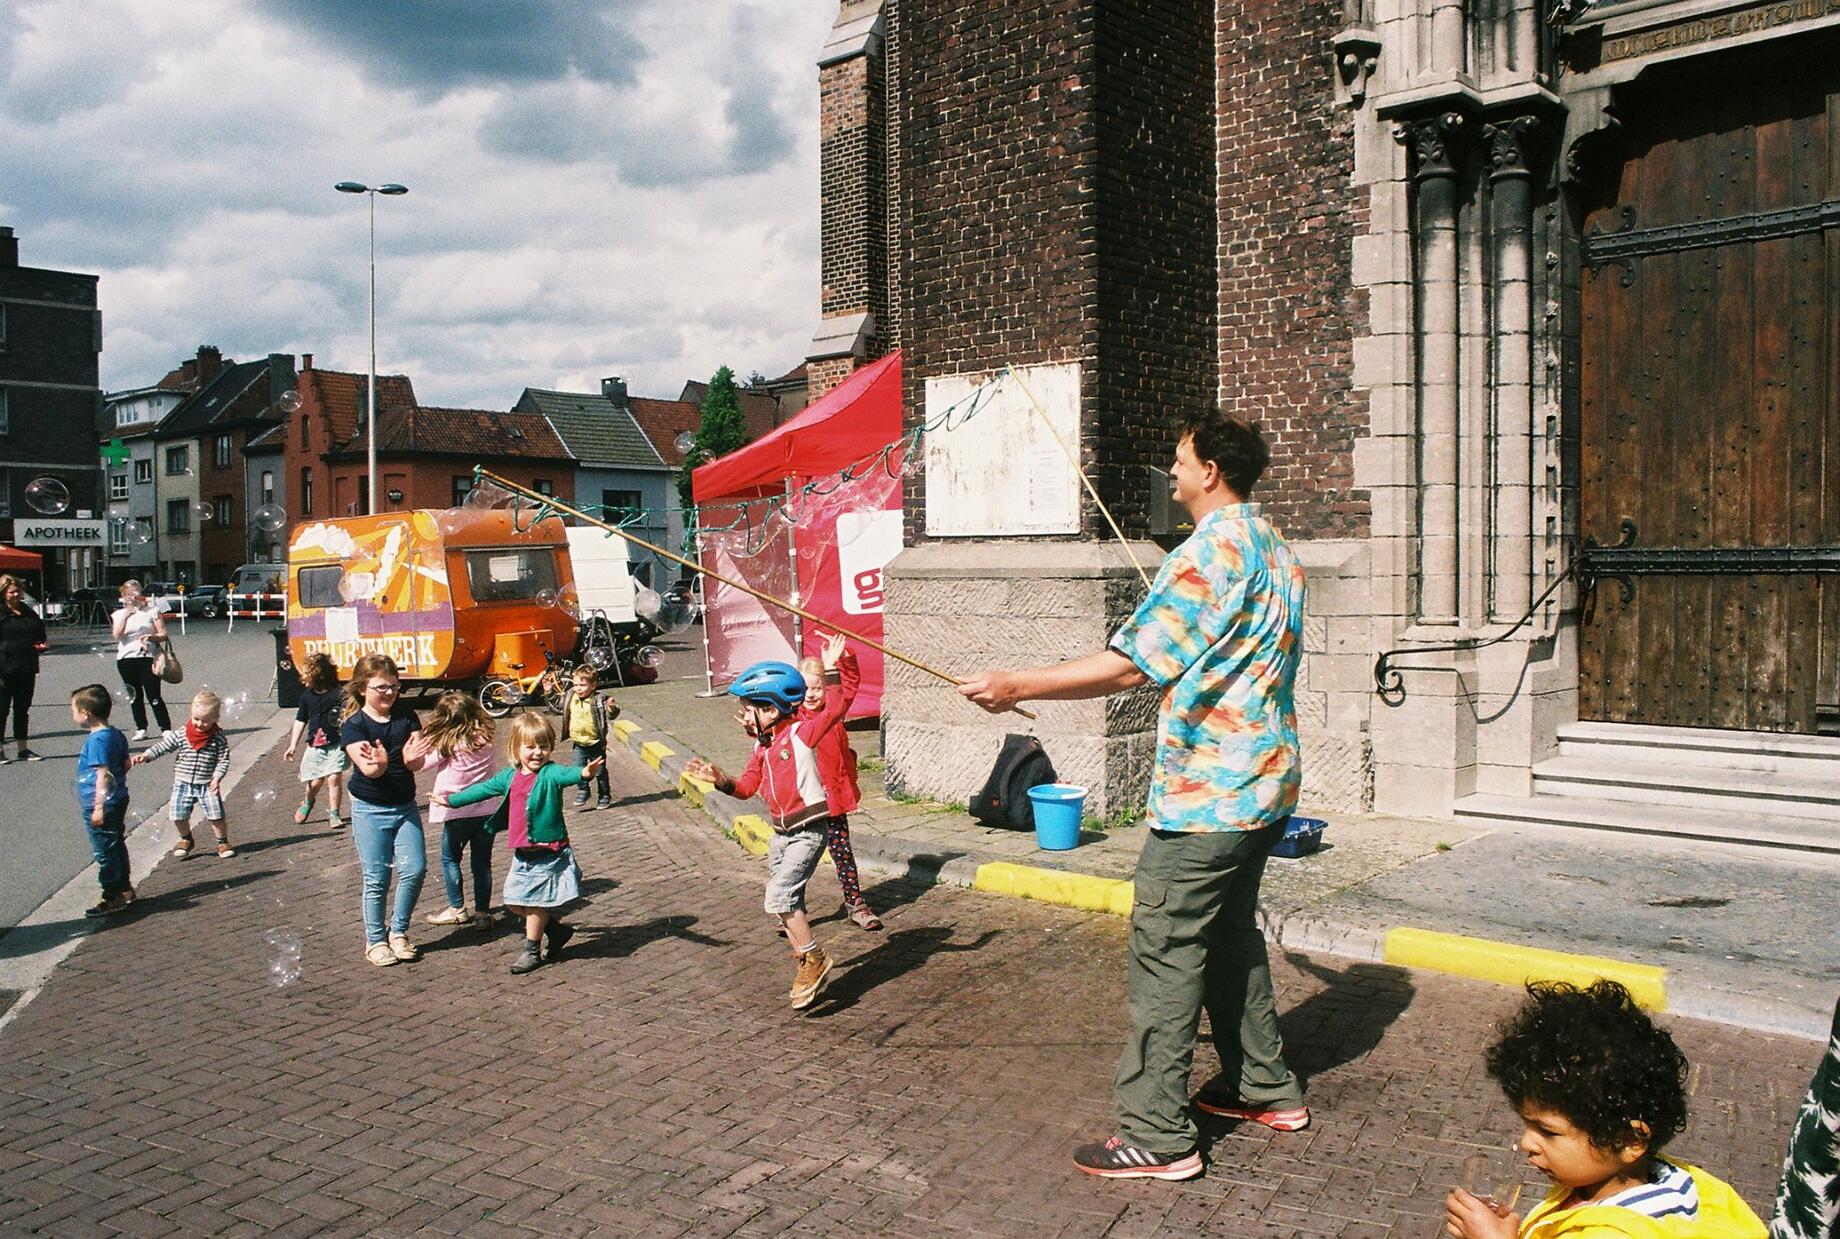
[(1222, 633)]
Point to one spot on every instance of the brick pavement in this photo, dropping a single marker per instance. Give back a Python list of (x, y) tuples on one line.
[(655, 1083)]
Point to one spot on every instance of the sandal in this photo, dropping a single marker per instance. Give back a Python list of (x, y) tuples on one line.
[(334, 821), (185, 847), (303, 812)]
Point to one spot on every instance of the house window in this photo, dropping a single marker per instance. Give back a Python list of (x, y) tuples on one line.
[(543, 486), (319, 587), (303, 432), (178, 516), (5, 416), (617, 505), (268, 486), (2, 328), (178, 460), (306, 491), (463, 486), (143, 472), (118, 534), (6, 495), (502, 576), (221, 511), (220, 451), (118, 486)]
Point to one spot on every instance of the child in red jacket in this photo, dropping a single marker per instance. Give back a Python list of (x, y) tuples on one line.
[(784, 770), (836, 673)]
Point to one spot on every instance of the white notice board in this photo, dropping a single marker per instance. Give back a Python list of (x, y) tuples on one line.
[(1000, 472)]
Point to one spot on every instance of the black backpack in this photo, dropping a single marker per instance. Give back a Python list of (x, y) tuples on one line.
[(1021, 764)]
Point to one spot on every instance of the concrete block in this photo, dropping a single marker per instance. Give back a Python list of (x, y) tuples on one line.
[(1315, 634), (1389, 207), (1375, 362), (1312, 709), (1349, 634), (1414, 791), (1389, 410), (1338, 672), (1382, 461), (1337, 771)]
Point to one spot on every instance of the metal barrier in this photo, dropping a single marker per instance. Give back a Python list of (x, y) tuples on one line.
[(255, 606)]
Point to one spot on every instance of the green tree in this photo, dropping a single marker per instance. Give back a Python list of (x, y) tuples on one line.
[(721, 431)]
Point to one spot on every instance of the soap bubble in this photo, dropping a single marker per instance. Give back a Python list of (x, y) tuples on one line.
[(646, 603), (675, 614), (141, 532), (451, 521), (288, 402), (569, 599), (356, 586), (648, 656), (546, 598), (204, 511), (283, 952), (600, 657), (270, 518), (48, 496), (264, 796), (685, 440), (487, 495)]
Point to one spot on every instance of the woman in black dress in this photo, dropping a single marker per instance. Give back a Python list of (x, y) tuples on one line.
[(22, 640)]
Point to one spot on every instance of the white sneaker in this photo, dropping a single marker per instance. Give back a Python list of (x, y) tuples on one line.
[(449, 916), (140, 733)]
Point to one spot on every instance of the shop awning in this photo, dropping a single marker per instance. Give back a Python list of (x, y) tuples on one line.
[(14, 560)]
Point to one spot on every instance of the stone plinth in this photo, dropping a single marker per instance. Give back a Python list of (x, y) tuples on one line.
[(969, 606)]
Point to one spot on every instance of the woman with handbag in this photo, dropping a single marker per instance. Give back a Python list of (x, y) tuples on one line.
[(140, 633), (22, 640)]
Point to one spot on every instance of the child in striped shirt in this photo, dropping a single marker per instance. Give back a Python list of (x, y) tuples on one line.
[(198, 773)]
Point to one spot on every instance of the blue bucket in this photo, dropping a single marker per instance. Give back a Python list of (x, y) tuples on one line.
[(1058, 809)]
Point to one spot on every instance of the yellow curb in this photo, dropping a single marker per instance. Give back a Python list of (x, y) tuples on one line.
[(693, 789), (624, 730), (752, 833), (1074, 890), (1507, 964), (652, 753)]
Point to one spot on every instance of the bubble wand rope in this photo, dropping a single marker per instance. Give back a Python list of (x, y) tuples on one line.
[(554, 505), (1073, 460)]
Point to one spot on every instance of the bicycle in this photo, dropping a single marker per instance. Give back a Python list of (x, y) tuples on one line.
[(548, 688)]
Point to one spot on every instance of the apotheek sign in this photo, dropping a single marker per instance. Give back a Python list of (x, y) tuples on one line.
[(36, 532)]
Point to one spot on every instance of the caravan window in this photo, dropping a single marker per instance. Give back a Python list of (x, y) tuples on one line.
[(507, 575), (319, 587)]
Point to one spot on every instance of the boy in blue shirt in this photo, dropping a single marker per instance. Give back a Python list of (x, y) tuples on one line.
[(102, 795)]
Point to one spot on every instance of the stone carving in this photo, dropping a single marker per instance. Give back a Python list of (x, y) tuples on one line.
[(1436, 143), (1510, 143)]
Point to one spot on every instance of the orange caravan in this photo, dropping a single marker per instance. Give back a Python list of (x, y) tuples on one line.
[(451, 596)]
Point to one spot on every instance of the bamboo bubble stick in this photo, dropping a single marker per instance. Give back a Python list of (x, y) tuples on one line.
[(556, 505), (1067, 450)]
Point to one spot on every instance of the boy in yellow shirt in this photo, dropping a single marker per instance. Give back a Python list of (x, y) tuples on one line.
[(1599, 1089), (588, 721)]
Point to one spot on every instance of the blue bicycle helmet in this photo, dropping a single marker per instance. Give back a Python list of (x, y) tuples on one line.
[(775, 684)]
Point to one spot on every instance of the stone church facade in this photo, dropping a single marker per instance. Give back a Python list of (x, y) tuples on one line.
[(1500, 280)]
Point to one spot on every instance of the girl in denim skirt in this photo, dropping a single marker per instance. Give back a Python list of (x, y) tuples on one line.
[(318, 721), (544, 877)]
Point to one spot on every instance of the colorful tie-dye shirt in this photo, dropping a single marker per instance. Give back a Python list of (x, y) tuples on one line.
[(1222, 632)]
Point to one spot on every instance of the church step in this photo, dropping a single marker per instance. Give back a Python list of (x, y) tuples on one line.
[(1715, 825), (1780, 752), (1690, 783)]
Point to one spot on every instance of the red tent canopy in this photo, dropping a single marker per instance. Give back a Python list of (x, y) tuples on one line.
[(852, 421), (13, 560)]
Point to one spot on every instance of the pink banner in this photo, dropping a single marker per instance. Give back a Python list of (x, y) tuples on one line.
[(740, 629)]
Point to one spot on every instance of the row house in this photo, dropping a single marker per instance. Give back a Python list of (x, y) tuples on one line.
[(128, 458), (50, 407)]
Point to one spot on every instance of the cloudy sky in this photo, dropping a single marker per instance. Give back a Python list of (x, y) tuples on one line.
[(596, 186)]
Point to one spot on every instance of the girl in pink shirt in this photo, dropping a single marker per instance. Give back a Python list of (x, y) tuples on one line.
[(462, 736)]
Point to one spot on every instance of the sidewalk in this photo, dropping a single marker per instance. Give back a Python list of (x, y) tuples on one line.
[(1737, 935)]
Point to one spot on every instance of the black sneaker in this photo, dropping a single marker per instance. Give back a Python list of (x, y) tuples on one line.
[(605, 802), (529, 959), (110, 905), (581, 799), (29, 755), (557, 934), (1116, 1159)]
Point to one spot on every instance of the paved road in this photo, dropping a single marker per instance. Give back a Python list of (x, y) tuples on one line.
[(41, 836), (656, 1083)]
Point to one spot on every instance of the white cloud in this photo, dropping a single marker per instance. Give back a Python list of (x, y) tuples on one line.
[(647, 208)]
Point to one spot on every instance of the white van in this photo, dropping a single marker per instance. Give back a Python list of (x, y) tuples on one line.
[(603, 575), (259, 579)]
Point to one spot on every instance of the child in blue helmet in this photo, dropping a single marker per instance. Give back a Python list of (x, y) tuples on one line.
[(784, 771)]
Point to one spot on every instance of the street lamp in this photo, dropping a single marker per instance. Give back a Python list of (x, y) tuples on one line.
[(370, 436)]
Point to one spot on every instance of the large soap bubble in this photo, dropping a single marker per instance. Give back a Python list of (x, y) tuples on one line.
[(288, 402), (676, 613), (48, 496), (647, 603), (269, 518)]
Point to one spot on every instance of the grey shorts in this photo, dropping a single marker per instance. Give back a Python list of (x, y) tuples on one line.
[(791, 859)]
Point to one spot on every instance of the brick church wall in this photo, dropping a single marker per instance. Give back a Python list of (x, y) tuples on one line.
[(1289, 311)]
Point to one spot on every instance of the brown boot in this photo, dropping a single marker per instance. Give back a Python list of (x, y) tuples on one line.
[(814, 967)]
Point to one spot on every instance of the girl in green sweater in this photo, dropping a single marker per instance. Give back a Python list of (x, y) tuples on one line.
[(544, 876)]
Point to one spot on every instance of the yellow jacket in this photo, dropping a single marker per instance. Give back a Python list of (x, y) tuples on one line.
[(1721, 1215)]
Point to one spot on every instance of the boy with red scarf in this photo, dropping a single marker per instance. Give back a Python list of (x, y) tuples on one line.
[(198, 773)]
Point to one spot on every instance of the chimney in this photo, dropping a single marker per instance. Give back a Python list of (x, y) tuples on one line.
[(210, 361), (614, 389), (9, 248), (306, 361), (280, 375)]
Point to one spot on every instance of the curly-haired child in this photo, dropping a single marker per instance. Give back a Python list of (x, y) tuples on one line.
[(1600, 1089), (460, 736), (830, 686), (321, 714)]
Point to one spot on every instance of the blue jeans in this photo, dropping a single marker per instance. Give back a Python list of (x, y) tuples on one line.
[(388, 834), (459, 835), (108, 843)]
